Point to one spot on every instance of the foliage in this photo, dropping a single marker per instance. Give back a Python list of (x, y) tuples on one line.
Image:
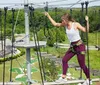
[(39, 22), (50, 70), (51, 37)]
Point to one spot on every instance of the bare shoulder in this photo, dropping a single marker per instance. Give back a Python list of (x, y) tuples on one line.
[(79, 26), (77, 23)]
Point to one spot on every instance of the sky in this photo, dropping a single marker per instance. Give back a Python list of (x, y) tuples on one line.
[(51, 3)]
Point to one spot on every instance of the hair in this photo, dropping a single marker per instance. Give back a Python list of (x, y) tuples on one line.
[(67, 17)]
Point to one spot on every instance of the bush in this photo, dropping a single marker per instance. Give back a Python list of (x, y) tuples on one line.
[(51, 37), (50, 70)]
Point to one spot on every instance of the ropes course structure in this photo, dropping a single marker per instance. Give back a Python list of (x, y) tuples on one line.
[(36, 44)]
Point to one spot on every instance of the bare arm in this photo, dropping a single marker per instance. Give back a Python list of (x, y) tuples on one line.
[(53, 21), (80, 27)]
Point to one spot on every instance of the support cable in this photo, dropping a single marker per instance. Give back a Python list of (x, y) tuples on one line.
[(82, 13), (16, 21), (5, 16), (1, 34), (40, 55), (46, 23), (57, 1), (70, 4), (88, 60), (31, 14), (39, 51), (56, 28), (12, 43), (74, 4)]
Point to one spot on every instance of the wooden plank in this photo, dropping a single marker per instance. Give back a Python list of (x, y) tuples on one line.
[(98, 83), (67, 83), (11, 83)]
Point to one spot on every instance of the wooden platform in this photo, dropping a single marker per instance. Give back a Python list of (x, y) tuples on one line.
[(11, 83), (67, 83)]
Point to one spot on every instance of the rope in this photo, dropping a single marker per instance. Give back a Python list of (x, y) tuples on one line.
[(1, 29), (21, 39), (20, 65), (16, 20), (12, 43), (56, 28), (40, 56), (38, 4), (74, 4), (31, 13), (48, 35), (5, 14), (86, 3), (57, 1)]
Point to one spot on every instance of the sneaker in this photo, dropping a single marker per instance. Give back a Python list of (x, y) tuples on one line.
[(61, 80), (79, 84), (87, 82)]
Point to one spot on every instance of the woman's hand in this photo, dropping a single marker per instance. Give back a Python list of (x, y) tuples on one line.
[(86, 18), (46, 14), (87, 23)]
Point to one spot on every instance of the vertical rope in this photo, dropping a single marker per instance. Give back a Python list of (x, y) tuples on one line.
[(56, 28), (39, 51), (41, 57), (86, 3), (12, 43), (82, 34), (46, 23), (5, 15), (1, 36), (31, 14)]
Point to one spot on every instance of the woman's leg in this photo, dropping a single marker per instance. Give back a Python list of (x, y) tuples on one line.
[(69, 54), (81, 60)]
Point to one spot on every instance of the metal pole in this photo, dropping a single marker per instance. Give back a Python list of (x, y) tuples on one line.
[(28, 65), (26, 22), (26, 9)]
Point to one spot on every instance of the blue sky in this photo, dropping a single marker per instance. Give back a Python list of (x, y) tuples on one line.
[(5, 2)]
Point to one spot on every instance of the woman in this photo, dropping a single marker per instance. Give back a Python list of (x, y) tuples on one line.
[(76, 45)]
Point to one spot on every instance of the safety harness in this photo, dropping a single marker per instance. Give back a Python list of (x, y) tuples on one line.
[(72, 46)]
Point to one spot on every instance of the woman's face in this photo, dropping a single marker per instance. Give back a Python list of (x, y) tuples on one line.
[(64, 22)]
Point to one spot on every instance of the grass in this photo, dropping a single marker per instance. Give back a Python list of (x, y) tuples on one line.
[(94, 38), (94, 60)]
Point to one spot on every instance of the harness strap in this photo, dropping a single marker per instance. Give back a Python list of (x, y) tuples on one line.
[(83, 52), (76, 44)]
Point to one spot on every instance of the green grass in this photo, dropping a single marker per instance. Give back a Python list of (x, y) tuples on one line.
[(94, 38), (94, 60)]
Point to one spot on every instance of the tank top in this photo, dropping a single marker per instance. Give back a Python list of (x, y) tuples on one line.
[(72, 34)]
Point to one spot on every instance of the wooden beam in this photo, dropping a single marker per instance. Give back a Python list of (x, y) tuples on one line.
[(11, 83), (67, 83)]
